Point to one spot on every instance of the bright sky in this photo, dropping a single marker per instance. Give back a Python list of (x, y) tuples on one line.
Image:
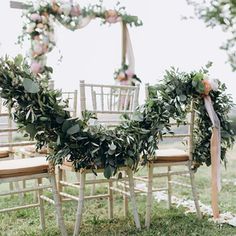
[(94, 52)]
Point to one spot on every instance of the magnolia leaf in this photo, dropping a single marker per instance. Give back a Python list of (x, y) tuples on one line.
[(30, 86), (73, 130)]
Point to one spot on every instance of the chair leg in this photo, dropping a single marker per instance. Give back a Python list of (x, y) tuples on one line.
[(80, 204), (11, 187), (59, 215), (41, 206), (35, 196), (93, 185), (169, 187), (59, 179), (64, 176), (195, 195), (132, 198), (110, 200), (125, 199), (149, 196)]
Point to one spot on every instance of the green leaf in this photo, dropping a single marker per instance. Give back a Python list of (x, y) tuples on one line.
[(112, 147), (60, 120), (182, 98), (129, 162), (30, 86), (66, 125), (74, 129), (18, 60), (108, 172), (58, 140), (137, 116), (43, 118), (30, 128)]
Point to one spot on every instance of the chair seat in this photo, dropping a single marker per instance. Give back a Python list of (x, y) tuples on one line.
[(170, 155), (23, 167), (4, 153), (32, 149)]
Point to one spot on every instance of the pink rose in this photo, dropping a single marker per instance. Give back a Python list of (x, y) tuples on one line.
[(75, 11), (40, 25), (35, 17), (35, 67), (111, 16), (129, 73)]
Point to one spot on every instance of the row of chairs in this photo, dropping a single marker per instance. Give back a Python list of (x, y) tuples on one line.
[(108, 103)]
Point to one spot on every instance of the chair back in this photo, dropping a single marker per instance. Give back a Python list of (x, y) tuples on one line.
[(72, 98), (182, 136), (108, 102), (9, 138)]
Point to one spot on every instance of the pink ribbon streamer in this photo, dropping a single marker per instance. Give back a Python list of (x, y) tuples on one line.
[(215, 156), (129, 51)]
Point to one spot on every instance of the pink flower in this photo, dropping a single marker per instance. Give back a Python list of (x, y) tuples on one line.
[(111, 16), (40, 25), (121, 76), (37, 48), (129, 73), (125, 82), (35, 67), (75, 11), (35, 17)]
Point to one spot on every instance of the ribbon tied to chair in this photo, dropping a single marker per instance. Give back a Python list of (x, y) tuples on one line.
[(215, 150)]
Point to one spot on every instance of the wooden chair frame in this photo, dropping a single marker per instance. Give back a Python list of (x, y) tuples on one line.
[(39, 189), (153, 163), (129, 103)]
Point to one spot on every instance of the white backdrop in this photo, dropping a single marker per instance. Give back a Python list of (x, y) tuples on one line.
[(94, 52)]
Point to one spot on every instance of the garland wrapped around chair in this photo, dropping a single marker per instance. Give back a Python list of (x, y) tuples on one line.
[(43, 115)]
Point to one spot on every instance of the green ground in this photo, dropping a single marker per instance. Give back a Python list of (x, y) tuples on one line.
[(164, 222)]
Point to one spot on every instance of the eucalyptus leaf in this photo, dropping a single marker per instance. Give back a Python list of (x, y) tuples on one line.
[(74, 129), (30, 86), (108, 171)]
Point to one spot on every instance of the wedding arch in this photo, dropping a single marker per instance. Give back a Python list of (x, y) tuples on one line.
[(39, 28)]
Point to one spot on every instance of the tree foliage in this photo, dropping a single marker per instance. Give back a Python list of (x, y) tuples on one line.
[(220, 13)]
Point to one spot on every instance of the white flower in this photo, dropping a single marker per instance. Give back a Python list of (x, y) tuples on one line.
[(30, 27), (66, 8)]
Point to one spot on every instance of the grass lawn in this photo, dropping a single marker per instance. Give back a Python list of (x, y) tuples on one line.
[(164, 222)]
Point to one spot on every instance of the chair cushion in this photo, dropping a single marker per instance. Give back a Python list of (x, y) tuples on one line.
[(32, 149), (170, 155), (4, 153), (23, 167)]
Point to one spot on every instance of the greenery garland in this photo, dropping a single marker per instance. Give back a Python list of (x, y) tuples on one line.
[(43, 115), (177, 90)]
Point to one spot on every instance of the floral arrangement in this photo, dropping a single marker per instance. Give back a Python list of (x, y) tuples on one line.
[(178, 89), (125, 76), (40, 18), (43, 115)]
